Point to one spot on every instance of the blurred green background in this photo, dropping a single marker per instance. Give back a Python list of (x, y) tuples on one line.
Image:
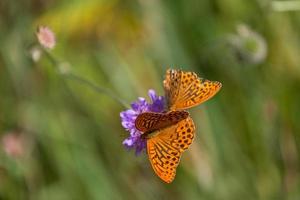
[(69, 137)]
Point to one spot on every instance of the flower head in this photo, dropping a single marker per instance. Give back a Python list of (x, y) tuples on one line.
[(46, 37), (250, 45), (128, 119), (13, 144)]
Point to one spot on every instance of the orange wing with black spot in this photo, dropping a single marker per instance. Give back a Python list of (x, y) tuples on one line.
[(184, 89), (175, 129), (150, 121), (172, 85), (165, 148)]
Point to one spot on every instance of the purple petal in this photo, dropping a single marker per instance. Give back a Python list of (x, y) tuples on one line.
[(135, 106), (141, 145), (128, 142), (158, 106), (127, 125), (152, 95)]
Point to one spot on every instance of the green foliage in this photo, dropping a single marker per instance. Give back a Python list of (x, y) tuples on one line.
[(247, 144)]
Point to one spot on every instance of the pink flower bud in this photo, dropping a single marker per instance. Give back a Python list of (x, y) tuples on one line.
[(46, 37)]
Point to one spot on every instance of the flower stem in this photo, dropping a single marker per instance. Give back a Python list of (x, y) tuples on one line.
[(86, 82), (96, 88)]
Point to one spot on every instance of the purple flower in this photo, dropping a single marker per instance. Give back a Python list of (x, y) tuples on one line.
[(128, 117)]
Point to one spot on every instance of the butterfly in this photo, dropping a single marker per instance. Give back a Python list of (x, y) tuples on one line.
[(169, 134)]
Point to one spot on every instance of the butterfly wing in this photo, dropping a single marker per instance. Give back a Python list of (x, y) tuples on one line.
[(151, 121), (165, 148), (172, 85), (185, 89)]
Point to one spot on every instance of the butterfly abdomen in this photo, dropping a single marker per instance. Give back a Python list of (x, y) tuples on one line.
[(149, 121)]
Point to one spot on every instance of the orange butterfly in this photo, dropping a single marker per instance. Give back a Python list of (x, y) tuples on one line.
[(171, 133)]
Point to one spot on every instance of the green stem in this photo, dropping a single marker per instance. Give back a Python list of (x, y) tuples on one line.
[(96, 88), (86, 82)]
